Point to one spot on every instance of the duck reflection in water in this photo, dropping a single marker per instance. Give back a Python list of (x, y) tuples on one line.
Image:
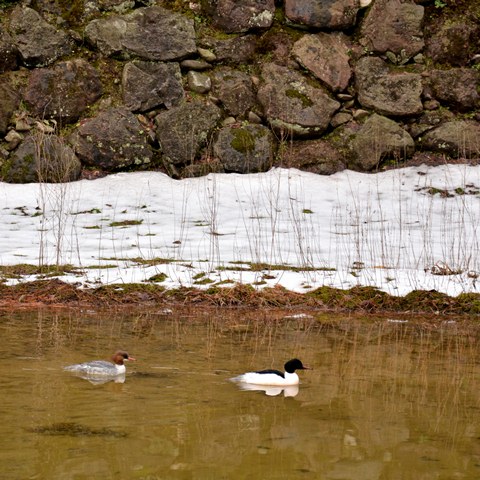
[(100, 380), (270, 390)]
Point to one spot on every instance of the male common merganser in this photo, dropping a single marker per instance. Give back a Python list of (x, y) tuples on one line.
[(274, 377), (101, 367)]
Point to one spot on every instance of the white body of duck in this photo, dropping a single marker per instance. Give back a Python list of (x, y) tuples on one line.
[(102, 367), (274, 377)]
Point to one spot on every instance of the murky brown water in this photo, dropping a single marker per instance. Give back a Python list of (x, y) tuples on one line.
[(384, 401)]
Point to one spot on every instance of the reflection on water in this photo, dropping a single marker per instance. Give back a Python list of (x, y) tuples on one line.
[(100, 379), (386, 401), (271, 391)]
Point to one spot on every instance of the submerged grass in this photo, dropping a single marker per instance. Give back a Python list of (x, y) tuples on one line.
[(325, 299), (72, 429)]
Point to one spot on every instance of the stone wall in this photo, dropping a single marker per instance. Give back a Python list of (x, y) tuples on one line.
[(192, 87)]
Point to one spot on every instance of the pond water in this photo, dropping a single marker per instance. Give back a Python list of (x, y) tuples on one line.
[(385, 400)]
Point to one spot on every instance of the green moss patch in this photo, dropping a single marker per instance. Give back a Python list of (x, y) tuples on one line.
[(23, 269), (243, 141), (304, 99), (126, 223), (159, 277)]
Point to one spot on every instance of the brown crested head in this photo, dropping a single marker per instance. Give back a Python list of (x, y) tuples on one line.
[(121, 356)]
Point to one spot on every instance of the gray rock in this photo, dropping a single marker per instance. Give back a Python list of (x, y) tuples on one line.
[(64, 91), (148, 85), (207, 55), (13, 140), (316, 156), (458, 139), (38, 42), (235, 16), (340, 118), (388, 93), (245, 149), (253, 118), (229, 121), (292, 105), (429, 120), (198, 82), (360, 114), (395, 26), (195, 65), (42, 158), (331, 14), (112, 140), (118, 6), (233, 50), (456, 87), (234, 89), (151, 33), (326, 56), (185, 129), (379, 138)]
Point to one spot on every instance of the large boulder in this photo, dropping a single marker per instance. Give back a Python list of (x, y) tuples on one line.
[(245, 149), (234, 16), (42, 158), (395, 93), (150, 33), (112, 140), (457, 139), (64, 91), (8, 53), (452, 41), (148, 85), (326, 56), (234, 89), (293, 105), (456, 87), (377, 139), (183, 130), (395, 26), (329, 14), (316, 156), (9, 102), (38, 42)]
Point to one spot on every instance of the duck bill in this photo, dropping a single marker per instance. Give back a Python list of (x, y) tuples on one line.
[(131, 359)]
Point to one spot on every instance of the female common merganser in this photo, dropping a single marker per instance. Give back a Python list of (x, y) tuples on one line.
[(101, 367), (274, 377)]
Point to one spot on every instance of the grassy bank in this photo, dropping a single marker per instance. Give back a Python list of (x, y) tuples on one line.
[(324, 299)]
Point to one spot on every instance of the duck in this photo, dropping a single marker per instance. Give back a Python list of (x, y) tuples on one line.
[(274, 377), (102, 367)]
